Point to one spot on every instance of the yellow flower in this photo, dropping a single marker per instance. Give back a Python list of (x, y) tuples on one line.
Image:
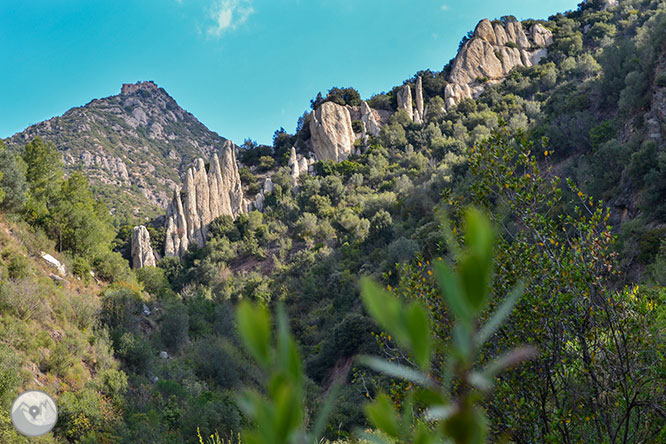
[(580, 194), (545, 153)]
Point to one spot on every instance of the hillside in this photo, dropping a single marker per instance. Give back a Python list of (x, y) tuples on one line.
[(133, 146)]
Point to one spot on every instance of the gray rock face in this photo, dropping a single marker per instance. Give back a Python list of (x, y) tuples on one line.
[(142, 252), (205, 196), (541, 36), (493, 51), (331, 130)]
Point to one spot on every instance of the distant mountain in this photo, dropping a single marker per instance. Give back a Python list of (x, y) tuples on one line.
[(132, 145)]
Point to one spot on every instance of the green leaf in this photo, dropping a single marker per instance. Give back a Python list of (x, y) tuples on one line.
[(452, 291), (420, 337), (382, 414), (324, 412), (385, 308), (475, 267), (479, 235), (289, 358), (254, 327), (500, 314), (510, 359), (396, 370)]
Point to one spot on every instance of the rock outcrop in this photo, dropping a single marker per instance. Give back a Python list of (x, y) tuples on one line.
[(332, 137), (206, 195), (493, 51), (405, 101), (369, 120), (417, 114), (142, 251), (258, 203), (299, 165)]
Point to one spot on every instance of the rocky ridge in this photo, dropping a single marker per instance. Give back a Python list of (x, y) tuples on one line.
[(493, 51), (487, 57)]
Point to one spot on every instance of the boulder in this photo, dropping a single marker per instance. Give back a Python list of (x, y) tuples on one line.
[(142, 251), (53, 262), (484, 31), (332, 137), (268, 186)]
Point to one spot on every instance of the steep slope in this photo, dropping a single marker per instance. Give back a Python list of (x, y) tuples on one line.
[(136, 142)]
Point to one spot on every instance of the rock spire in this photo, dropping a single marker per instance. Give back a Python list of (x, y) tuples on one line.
[(142, 251), (206, 194)]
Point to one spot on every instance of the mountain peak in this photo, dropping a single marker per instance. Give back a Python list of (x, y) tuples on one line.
[(131, 88)]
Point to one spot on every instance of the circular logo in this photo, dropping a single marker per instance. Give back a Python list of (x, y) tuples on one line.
[(34, 413)]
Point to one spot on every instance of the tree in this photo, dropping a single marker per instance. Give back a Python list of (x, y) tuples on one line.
[(44, 175), (12, 181), (597, 377)]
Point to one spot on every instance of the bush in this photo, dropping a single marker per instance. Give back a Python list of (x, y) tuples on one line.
[(213, 362), (81, 268), (18, 266), (266, 163), (174, 328), (135, 352), (112, 267), (155, 282)]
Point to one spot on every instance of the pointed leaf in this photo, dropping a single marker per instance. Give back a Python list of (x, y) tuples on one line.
[(500, 315), (385, 308), (324, 412), (420, 337), (396, 370), (452, 291), (254, 327), (382, 414)]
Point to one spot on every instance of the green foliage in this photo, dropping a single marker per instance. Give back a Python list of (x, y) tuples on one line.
[(279, 416), (13, 186), (341, 96), (175, 326), (466, 292)]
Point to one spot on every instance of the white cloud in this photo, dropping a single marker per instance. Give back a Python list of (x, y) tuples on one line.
[(444, 7), (228, 15)]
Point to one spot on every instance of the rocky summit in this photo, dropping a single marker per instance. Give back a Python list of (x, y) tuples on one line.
[(133, 145)]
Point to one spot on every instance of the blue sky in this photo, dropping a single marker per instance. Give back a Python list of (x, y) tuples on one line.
[(243, 67)]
